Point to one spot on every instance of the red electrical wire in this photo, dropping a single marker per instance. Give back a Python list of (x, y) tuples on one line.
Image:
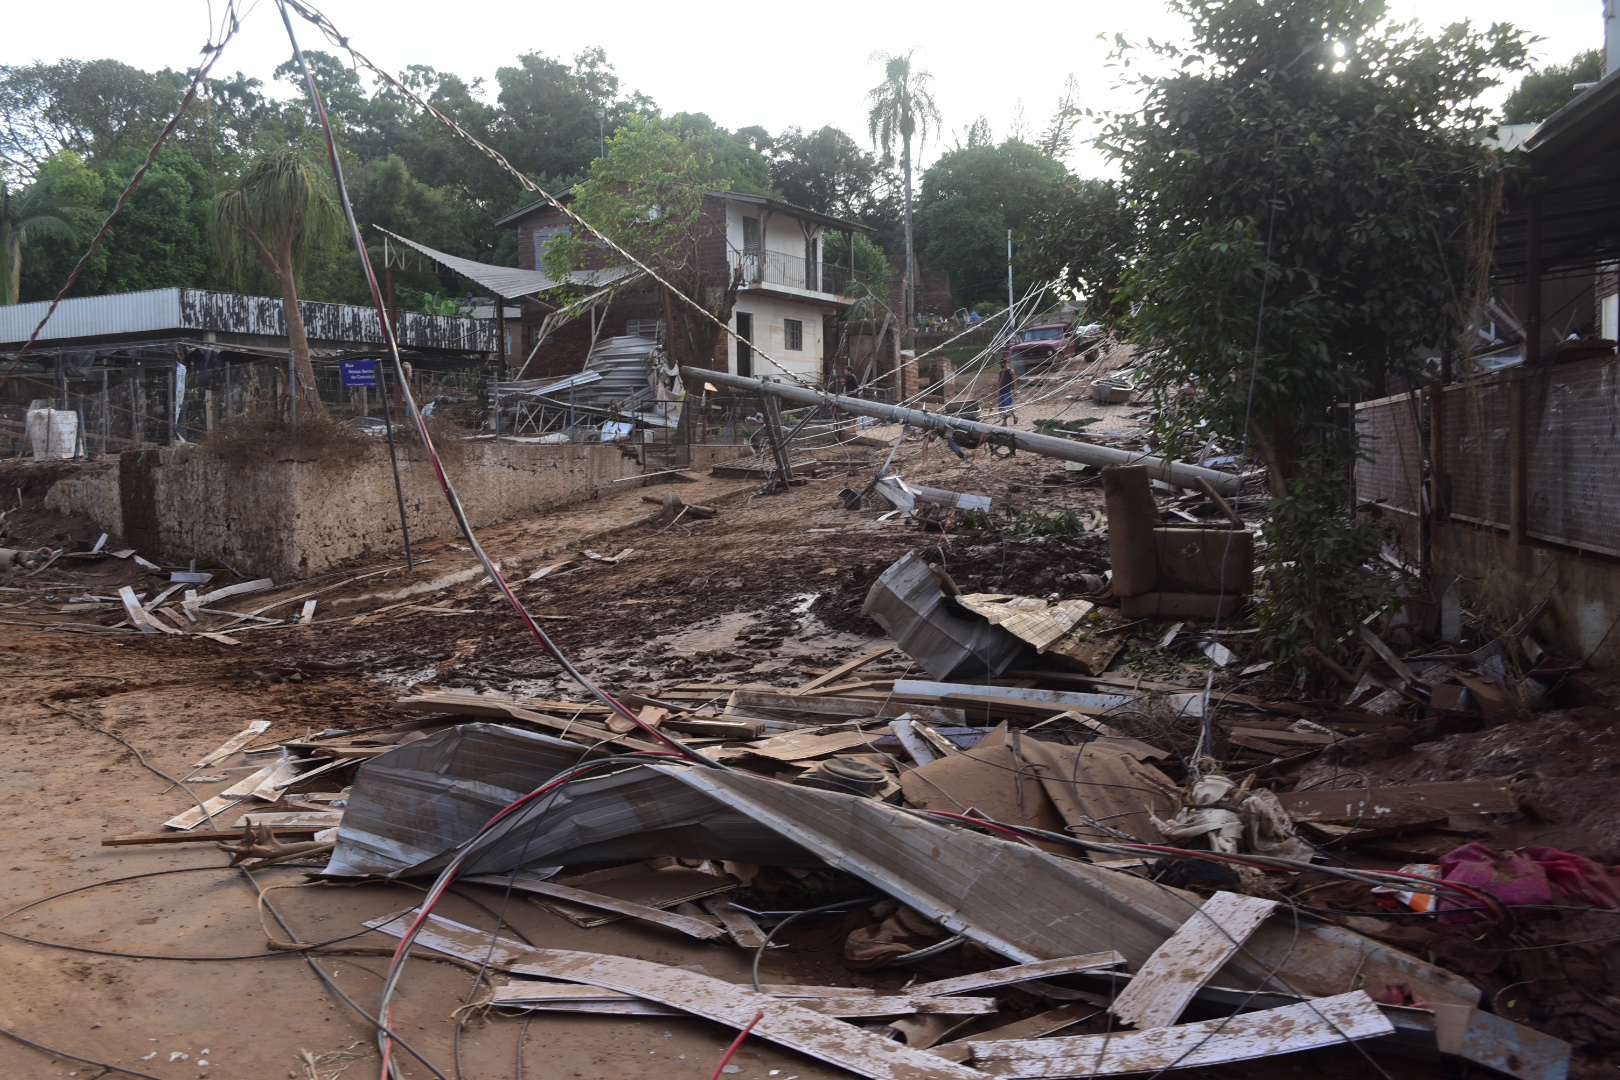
[(732, 1049)]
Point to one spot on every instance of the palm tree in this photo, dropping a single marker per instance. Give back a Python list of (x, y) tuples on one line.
[(37, 211), (281, 212), (903, 106)]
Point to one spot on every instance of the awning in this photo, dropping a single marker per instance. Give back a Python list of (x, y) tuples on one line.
[(512, 281)]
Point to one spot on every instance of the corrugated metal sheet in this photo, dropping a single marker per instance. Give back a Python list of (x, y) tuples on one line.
[(94, 316), (180, 310), (512, 281), (1573, 456)]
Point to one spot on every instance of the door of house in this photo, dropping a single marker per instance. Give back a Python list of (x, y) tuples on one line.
[(745, 334)]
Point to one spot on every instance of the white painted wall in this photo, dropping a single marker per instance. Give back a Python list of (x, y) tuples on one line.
[(769, 335)]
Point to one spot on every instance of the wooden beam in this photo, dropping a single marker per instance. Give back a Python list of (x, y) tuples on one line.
[(1191, 956)]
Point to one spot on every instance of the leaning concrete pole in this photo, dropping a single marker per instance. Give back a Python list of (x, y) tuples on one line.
[(1175, 472)]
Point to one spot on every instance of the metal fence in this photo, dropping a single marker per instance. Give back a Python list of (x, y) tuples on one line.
[(1531, 451)]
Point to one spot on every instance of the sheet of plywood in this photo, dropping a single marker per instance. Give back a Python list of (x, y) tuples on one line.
[(804, 745), (1102, 791), (1308, 1025), (1188, 959), (786, 1023)]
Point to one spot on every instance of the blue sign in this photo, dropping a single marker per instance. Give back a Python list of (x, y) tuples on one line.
[(358, 372)]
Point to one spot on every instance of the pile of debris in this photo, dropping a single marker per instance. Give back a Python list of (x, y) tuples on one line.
[(1025, 863)]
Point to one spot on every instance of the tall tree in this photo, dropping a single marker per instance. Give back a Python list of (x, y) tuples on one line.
[(967, 202), (902, 110), (55, 205), (1312, 191), (648, 196), (1542, 93), (280, 213)]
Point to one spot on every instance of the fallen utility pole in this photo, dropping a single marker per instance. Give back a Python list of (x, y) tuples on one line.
[(1175, 472)]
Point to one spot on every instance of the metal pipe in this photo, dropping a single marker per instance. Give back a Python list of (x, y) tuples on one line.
[(1175, 472)]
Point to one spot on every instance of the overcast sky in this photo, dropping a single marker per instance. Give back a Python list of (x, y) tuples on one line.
[(776, 65)]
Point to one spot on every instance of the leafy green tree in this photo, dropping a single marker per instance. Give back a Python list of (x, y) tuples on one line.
[(1542, 93), (824, 170), (903, 109), (96, 109), (648, 195), (1311, 192), (1083, 238), (161, 237), (280, 213), (734, 162), (968, 200), (56, 205)]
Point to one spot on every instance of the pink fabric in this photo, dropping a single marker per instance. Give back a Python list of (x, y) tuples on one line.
[(1534, 876)]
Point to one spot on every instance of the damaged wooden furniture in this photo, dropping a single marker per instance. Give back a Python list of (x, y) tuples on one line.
[(1173, 571)]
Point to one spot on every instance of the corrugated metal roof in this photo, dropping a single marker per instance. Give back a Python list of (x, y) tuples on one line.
[(513, 281), (180, 310)]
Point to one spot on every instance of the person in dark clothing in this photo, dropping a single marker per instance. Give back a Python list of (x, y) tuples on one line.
[(851, 383), (1004, 391)]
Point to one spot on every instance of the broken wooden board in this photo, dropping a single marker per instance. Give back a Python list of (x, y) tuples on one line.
[(1052, 700), (233, 744), (780, 1021), (639, 885), (195, 837), (738, 923), (772, 705), (1400, 804), (1308, 1025), (844, 669), (804, 745), (1047, 1023), (1191, 956), (857, 1006), (316, 819), (579, 729), (236, 590), (190, 819), (1017, 973), (1028, 618), (668, 919)]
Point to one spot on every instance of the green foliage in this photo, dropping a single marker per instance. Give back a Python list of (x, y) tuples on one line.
[(1084, 237), (827, 171), (1542, 93), (161, 237), (54, 208), (648, 196), (968, 199), (431, 303), (1310, 197), (1029, 523), (730, 162)]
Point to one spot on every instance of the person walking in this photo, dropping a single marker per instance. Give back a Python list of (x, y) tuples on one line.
[(1004, 392), (851, 382)]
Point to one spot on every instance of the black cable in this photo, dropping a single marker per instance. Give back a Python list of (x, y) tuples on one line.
[(331, 984), (523, 1033), (144, 956), (181, 784), (88, 1061), (760, 952)]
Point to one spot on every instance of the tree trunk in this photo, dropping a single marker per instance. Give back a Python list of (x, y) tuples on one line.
[(297, 340), (911, 261), (14, 270)]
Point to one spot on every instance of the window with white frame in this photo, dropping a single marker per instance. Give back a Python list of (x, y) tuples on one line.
[(793, 334)]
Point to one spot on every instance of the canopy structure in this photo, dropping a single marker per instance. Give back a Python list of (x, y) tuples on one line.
[(511, 281)]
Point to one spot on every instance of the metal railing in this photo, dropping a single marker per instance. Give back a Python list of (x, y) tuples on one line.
[(778, 268)]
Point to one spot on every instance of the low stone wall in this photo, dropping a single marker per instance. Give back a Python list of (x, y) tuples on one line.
[(299, 516)]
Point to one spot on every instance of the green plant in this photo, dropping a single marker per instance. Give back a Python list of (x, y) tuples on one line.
[(1311, 196)]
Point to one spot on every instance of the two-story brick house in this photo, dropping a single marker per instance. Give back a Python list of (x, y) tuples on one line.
[(787, 296)]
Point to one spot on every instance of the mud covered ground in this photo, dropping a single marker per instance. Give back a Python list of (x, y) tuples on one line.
[(769, 591)]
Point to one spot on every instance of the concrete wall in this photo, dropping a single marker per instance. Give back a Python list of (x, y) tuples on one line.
[(1508, 579), (301, 515), (769, 313)]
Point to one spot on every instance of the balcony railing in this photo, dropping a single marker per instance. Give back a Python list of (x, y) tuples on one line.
[(776, 268)]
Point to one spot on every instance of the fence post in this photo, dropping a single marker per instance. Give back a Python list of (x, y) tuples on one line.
[(1518, 458)]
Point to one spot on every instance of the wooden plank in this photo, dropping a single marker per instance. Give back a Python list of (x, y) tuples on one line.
[(844, 669), (236, 590), (197, 837), (579, 729), (1309, 1025), (234, 743), (694, 927), (574, 997), (1286, 737), (1006, 976), (1191, 956), (190, 819), (803, 745), (742, 928), (139, 617), (320, 819), (1014, 695), (784, 1022), (1033, 1027)]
